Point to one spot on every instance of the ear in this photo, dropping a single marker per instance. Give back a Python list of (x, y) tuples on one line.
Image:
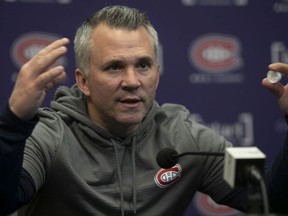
[(158, 76), (81, 80)]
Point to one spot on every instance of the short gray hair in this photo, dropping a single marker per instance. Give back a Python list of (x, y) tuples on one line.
[(116, 16)]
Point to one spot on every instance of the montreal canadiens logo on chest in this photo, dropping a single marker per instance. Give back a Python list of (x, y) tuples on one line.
[(166, 177)]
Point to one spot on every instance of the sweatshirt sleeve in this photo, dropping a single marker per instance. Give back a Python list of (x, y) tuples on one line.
[(15, 183)]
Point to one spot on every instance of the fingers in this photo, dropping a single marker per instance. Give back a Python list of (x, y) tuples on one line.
[(275, 88), (46, 57), (280, 67), (54, 45), (50, 78), (35, 78), (38, 70), (278, 89)]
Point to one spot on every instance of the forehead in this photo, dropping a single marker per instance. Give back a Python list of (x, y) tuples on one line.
[(106, 40)]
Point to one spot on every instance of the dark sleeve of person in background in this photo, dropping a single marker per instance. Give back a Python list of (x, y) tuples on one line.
[(277, 180), (16, 185)]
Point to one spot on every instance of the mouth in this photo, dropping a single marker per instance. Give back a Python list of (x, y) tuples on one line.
[(130, 101)]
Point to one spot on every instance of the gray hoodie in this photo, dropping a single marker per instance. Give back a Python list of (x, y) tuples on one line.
[(81, 169)]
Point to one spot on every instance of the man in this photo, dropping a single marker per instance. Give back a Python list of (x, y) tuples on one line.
[(93, 152)]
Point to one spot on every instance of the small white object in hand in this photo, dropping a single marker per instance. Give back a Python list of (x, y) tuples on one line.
[(274, 76)]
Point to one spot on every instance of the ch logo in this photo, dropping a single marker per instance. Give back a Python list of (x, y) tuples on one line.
[(166, 177)]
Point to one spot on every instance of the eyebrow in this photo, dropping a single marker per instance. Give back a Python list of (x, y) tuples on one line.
[(111, 62), (145, 58), (122, 62)]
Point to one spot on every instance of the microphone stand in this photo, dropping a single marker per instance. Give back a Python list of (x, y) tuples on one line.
[(254, 203), (257, 203), (199, 153)]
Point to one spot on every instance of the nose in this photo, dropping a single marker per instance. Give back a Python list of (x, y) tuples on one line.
[(130, 80)]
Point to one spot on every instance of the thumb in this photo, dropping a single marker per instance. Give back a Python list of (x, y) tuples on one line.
[(275, 88)]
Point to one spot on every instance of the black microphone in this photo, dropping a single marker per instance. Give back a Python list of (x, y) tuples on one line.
[(169, 157)]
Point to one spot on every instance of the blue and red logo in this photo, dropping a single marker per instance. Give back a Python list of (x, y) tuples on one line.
[(29, 44), (206, 206), (166, 177), (216, 53)]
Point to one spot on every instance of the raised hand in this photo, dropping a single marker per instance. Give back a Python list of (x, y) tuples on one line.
[(278, 89), (35, 78)]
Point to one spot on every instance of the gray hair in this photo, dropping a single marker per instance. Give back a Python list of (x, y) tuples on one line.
[(117, 16)]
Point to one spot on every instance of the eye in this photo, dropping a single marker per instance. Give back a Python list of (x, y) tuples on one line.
[(143, 65), (113, 68)]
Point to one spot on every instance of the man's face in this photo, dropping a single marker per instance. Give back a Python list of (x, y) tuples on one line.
[(123, 78)]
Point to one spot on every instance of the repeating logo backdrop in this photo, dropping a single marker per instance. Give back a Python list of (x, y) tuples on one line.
[(213, 56)]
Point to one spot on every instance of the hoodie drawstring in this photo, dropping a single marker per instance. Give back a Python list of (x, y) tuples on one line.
[(120, 179), (133, 177)]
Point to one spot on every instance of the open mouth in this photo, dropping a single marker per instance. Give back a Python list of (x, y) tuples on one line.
[(130, 101)]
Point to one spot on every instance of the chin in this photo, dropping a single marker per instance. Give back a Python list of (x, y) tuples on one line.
[(131, 120)]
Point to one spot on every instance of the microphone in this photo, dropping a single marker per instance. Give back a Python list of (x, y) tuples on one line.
[(169, 157), (243, 166), (237, 162), (240, 163)]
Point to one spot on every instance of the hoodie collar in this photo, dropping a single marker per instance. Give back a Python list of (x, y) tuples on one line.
[(70, 104)]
